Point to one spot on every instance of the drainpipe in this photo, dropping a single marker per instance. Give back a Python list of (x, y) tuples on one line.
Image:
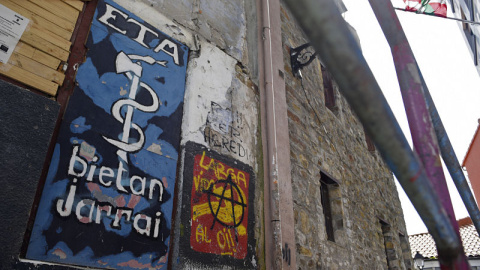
[(329, 34), (273, 232), (451, 161), (423, 133)]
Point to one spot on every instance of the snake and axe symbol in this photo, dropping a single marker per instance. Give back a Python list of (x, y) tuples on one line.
[(133, 71)]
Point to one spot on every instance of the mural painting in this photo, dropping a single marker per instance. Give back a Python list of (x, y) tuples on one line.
[(217, 208), (108, 197)]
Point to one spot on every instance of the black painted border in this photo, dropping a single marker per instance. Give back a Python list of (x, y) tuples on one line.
[(207, 259)]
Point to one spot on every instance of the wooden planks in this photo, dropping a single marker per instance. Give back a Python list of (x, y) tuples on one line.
[(37, 55), (29, 79), (44, 45), (78, 5), (46, 14), (38, 20), (38, 58), (59, 8), (36, 68)]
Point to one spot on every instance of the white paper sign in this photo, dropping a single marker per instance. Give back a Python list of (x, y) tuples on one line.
[(12, 26)]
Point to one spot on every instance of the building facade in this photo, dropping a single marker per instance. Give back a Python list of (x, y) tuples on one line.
[(470, 161), (467, 10), (176, 135)]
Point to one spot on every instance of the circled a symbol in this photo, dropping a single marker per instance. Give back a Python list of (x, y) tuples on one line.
[(235, 198)]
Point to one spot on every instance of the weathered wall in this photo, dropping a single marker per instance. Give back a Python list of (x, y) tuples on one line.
[(332, 141), (221, 110), (220, 133), (220, 125), (218, 200)]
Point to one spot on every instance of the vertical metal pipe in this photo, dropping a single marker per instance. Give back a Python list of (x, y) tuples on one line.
[(273, 237), (421, 127), (451, 161), (328, 33)]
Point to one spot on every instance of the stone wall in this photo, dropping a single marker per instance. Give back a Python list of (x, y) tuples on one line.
[(218, 219), (330, 143)]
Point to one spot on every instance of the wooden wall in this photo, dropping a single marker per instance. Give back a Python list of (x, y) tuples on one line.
[(39, 58)]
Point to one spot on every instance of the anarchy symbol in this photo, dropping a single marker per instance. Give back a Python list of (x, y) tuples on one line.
[(235, 198)]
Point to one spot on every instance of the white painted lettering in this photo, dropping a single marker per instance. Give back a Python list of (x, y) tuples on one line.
[(148, 223), (156, 230), (108, 172), (162, 47), (153, 183), (85, 203), (106, 208), (67, 209), (142, 180), (76, 159), (119, 177), (109, 15), (141, 34), (118, 216)]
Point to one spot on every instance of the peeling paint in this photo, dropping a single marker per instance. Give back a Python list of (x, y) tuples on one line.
[(62, 255), (155, 148), (413, 70)]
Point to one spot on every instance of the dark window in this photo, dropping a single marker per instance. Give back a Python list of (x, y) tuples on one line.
[(370, 144), (328, 90), (327, 211), (471, 38), (388, 242), (326, 187)]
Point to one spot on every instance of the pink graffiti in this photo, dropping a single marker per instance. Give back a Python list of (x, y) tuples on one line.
[(165, 183), (93, 187), (135, 264), (120, 201), (134, 200)]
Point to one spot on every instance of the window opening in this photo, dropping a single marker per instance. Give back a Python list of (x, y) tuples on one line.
[(328, 90), (390, 253), (369, 141), (327, 188)]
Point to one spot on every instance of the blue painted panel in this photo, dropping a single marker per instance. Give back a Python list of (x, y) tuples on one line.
[(108, 197)]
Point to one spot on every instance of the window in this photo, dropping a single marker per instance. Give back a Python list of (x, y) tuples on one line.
[(370, 144), (327, 211), (405, 246), (328, 90), (331, 204), (471, 38), (390, 253)]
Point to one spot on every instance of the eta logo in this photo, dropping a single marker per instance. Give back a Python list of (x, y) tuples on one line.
[(110, 18)]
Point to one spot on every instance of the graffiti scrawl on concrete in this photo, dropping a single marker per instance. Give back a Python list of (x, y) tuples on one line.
[(108, 197), (218, 197), (223, 130)]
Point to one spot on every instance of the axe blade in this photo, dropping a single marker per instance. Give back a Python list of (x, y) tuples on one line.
[(124, 64)]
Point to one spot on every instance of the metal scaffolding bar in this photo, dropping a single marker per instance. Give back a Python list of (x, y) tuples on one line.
[(451, 161), (423, 134), (333, 41)]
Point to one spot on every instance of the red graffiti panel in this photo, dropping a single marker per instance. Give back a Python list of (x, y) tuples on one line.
[(219, 211)]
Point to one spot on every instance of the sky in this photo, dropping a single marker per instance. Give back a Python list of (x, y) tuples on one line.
[(447, 66)]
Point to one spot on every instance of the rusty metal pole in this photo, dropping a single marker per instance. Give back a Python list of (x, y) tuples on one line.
[(421, 127), (451, 161), (333, 41)]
